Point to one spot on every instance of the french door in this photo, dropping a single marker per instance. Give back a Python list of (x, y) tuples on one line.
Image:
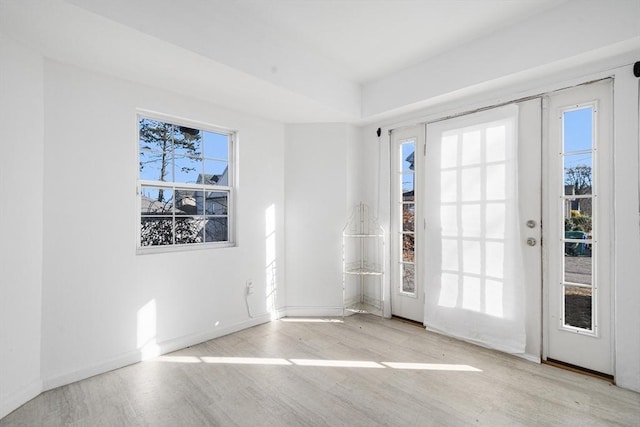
[(482, 211), (578, 226), (407, 294)]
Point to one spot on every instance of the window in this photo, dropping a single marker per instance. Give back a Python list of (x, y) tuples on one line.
[(185, 184)]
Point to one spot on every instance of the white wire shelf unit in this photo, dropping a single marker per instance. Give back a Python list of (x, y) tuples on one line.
[(363, 263)]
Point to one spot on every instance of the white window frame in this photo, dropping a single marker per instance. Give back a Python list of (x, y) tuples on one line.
[(173, 186)]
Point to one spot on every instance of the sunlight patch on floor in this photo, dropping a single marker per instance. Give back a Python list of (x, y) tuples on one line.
[(326, 363)]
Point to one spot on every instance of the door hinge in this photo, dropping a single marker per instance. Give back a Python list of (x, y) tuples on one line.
[(424, 149)]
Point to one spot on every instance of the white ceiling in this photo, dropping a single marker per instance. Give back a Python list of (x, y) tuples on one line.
[(289, 60), (368, 39), (362, 40)]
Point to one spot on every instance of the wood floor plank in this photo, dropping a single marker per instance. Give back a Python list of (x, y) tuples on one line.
[(329, 374)]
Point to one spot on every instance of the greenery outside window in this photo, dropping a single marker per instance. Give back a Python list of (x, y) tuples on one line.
[(184, 184)]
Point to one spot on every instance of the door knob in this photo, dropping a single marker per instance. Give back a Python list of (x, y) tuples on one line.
[(531, 241), (531, 223)]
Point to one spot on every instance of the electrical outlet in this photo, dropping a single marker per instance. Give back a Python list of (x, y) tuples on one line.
[(249, 287)]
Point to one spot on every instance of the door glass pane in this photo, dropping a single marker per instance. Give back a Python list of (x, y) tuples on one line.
[(577, 130), (408, 156), (408, 247), (578, 174), (408, 217), (408, 278), (578, 263), (578, 302), (408, 185)]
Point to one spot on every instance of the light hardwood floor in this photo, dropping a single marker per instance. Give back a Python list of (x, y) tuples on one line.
[(364, 371)]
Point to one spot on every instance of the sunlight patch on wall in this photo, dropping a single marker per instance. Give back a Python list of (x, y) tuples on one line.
[(147, 324), (270, 261)]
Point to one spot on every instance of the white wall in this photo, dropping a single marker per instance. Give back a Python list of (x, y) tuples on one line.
[(574, 33), (626, 190), (94, 283), (317, 175), (21, 187)]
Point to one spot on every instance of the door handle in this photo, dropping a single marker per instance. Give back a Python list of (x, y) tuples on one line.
[(531, 241)]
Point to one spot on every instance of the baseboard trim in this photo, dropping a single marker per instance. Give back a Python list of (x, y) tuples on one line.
[(129, 358), (20, 397), (300, 311)]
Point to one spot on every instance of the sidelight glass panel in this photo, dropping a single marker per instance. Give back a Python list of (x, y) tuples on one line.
[(578, 307)]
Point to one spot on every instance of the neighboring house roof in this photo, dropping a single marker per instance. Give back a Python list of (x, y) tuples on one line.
[(213, 179), (410, 159), (151, 206)]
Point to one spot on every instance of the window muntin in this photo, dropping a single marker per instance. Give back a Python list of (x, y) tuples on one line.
[(184, 184)]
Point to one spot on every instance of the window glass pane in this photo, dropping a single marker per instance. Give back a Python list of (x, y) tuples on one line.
[(156, 166), (216, 146), (188, 170), (216, 172), (187, 202), (155, 136), (156, 231), (408, 247), (408, 278), (578, 129), (449, 151), (156, 201), (216, 203), (216, 229), (408, 217), (189, 229), (578, 263), (578, 307), (578, 174), (187, 141)]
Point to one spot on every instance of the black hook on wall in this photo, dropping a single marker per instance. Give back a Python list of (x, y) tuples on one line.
[(636, 69), (379, 131)]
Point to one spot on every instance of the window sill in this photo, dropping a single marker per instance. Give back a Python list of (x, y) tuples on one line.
[(147, 250)]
